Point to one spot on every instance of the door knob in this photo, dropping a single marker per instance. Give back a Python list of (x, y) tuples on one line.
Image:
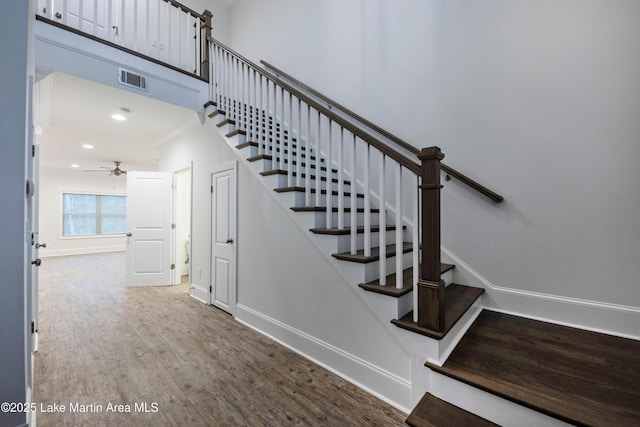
[(37, 262), (41, 245), (229, 240), (129, 234)]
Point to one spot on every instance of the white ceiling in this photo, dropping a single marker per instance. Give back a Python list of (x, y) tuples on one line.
[(72, 112)]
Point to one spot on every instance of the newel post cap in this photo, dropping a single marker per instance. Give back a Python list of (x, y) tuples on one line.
[(431, 153)]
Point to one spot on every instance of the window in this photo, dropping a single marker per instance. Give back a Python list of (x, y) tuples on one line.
[(93, 214)]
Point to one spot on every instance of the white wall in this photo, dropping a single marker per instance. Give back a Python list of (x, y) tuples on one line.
[(285, 287), (16, 44), (537, 100), (52, 184)]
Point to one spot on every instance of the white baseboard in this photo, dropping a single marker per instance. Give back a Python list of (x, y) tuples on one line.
[(46, 253), (200, 293), (612, 319), (385, 385)]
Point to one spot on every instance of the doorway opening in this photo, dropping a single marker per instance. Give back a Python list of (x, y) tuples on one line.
[(182, 237)]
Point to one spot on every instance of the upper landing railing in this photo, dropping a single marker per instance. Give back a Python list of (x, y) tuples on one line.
[(164, 31)]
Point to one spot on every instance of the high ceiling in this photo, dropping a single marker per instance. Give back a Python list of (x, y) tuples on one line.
[(73, 112)]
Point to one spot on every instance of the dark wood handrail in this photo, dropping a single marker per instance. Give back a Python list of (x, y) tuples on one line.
[(366, 137), (460, 176), (471, 183), (187, 9)]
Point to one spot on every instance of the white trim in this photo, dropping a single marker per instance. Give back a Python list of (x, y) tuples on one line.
[(612, 319), (369, 377)]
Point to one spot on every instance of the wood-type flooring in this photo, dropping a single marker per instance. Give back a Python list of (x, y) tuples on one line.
[(185, 363)]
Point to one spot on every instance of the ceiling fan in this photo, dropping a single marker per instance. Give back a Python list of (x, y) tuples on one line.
[(115, 171)]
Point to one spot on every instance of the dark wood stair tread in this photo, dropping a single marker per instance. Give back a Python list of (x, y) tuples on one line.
[(313, 191), (324, 209), (375, 253), (284, 172), (577, 376), (457, 300), (346, 231), (407, 282), (434, 412)]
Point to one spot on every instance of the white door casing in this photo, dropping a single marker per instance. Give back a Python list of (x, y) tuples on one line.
[(149, 204), (223, 238)]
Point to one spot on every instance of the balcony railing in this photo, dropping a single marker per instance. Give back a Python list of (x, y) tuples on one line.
[(163, 30)]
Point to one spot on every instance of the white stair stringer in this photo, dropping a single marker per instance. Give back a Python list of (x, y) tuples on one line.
[(383, 307)]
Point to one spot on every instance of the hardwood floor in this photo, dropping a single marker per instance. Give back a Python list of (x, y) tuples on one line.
[(191, 364)]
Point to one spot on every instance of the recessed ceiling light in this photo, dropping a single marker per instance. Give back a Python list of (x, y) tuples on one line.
[(75, 166), (122, 115), (87, 146)]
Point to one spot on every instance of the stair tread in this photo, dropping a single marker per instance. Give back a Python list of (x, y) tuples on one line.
[(407, 282), (434, 412), (578, 376), (313, 191), (375, 253), (284, 172), (457, 300), (324, 209), (346, 231)]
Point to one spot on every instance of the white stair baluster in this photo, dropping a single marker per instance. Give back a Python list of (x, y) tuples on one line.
[(259, 116), (367, 202), (399, 226), (300, 144), (147, 39), (290, 180), (329, 191), (307, 180), (135, 25), (353, 216), (340, 166), (81, 16), (318, 162), (382, 221), (49, 8), (65, 11), (94, 30), (416, 248)]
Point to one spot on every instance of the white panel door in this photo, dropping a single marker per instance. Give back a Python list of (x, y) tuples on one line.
[(88, 16), (149, 199), (223, 230)]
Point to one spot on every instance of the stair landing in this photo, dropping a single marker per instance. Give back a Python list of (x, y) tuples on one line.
[(577, 376)]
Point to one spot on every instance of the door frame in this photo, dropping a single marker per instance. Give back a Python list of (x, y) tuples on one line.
[(174, 255), (233, 292)]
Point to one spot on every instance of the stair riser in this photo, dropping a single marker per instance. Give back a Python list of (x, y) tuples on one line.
[(343, 242), (363, 273), (299, 200), (321, 219), (487, 405), (282, 181)]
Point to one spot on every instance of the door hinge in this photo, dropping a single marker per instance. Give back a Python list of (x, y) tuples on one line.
[(173, 266), (33, 151), (173, 226), (33, 327), (210, 289), (212, 189)]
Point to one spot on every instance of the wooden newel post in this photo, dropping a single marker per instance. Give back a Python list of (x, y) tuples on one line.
[(430, 286), (205, 36)]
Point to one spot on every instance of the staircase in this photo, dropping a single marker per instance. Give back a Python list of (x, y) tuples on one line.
[(362, 203)]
